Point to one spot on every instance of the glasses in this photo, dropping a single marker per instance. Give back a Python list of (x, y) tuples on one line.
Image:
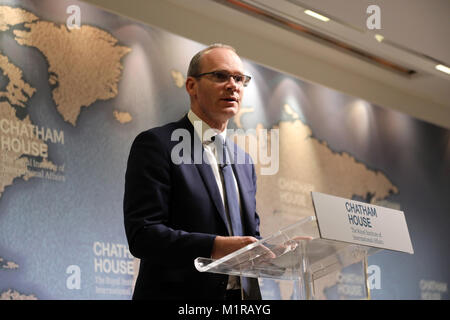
[(223, 76)]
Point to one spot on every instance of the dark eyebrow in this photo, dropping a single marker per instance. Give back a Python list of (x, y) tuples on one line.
[(225, 71)]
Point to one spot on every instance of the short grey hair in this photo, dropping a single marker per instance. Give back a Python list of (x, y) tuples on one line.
[(194, 65)]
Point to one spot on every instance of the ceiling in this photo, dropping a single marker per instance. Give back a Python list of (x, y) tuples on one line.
[(415, 32), (416, 25), (341, 54)]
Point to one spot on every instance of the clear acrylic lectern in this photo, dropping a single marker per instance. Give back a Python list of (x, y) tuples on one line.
[(315, 268)]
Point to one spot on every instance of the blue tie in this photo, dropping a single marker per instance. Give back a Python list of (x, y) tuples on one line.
[(231, 196)]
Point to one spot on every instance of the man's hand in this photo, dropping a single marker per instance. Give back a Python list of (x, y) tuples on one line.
[(226, 245)]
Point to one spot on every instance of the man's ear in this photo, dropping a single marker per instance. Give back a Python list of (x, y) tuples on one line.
[(191, 86)]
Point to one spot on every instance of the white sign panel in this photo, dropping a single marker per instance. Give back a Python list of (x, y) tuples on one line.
[(361, 223)]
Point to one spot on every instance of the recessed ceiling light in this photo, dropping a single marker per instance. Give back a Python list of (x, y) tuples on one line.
[(443, 68), (379, 37), (316, 15)]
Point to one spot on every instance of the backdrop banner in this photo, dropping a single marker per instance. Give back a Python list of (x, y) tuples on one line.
[(77, 85)]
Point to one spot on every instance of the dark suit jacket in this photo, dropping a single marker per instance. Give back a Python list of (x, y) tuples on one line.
[(173, 212)]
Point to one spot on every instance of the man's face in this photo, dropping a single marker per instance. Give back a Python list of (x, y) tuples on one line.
[(214, 101)]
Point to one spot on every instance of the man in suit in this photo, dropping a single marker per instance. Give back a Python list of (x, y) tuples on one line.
[(176, 211)]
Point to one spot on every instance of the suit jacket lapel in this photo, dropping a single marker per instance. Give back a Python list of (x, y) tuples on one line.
[(205, 170), (210, 181)]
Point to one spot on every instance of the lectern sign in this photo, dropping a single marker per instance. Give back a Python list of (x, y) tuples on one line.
[(361, 223)]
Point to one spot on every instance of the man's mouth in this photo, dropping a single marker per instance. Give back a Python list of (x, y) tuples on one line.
[(231, 99)]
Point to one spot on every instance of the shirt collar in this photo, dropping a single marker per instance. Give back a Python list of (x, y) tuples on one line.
[(203, 130)]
